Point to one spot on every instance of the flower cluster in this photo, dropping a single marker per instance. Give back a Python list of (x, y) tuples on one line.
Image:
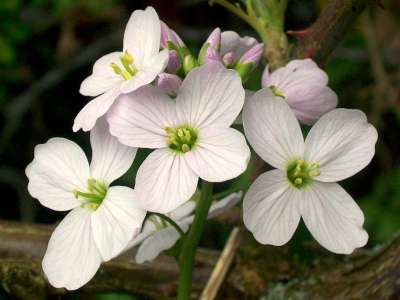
[(156, 94)]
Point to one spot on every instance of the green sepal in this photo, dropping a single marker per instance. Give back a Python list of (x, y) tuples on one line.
[(202, 53), (244, 70), (189, 62)]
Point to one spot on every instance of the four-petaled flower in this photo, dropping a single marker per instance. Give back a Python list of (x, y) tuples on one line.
[(103, 219), (304, 86), (191, 135), (123, 72), (158, 235), (304, 185)]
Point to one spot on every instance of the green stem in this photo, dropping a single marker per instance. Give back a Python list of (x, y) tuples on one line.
[(189, 247), (171, 222)]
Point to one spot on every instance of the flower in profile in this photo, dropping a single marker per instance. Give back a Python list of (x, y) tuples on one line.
[(304, 184), (304, 86), (191, 135), (123, 72), (102, 220), (158, 235)]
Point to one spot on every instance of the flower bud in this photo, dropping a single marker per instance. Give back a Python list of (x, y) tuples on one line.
[(189, 62), (169, 83), (253, 55), (228, 59), (169, 38), (174, 62), (210, 49)]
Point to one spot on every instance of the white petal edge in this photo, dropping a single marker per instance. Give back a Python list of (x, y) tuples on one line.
[(59, 166), (272, 129), (164, 181), (116, 221), (110, 158), (72, 258), (221, 154), (139, 119), (210, 95), (93, 110), (333, 218), (270, 208), (224, 204), (342, 142)]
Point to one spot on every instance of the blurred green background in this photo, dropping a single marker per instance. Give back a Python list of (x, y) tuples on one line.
[(48, 47)]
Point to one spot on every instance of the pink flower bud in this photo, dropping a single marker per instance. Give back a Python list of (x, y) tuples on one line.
[(211, 55), (228, 59), (169, 83), (174, 62), (169, 36), (214, 39), (253, 55)]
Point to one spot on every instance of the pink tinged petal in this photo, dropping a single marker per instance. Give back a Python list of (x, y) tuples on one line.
[(174, 62), (342, 142), (96, 108), (270, 208), (214, 39), (165, 181), (231, 42), (139, 119), (183, 211), (248, 95), (169, 83), (117, 220), (253, 55), (221, 154), (310, 103), (158, 242), (59, 167), (298, 72), (224, 204), (333, 218), (211, 55), (103, 77), (110, 158), (228, 59), (168, 35), (272, 129), (142, 35), (72, 258), (265, 77), (210, 95), (147, 73)]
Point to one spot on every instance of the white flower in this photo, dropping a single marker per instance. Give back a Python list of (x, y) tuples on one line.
[(103, 219), (123, 72), (304, 185), (304, 86), (158, 235), (192, 135)]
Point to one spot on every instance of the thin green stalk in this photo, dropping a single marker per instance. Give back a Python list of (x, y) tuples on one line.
[(189, 247), (171, 222)]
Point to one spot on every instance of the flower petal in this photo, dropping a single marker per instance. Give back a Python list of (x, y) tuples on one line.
[(59, 167), (72, 258), (297, 72), (147, 73), (139, 119), (103, 77), (210, 96), (158, 242), (333, 218), (117, 220), (183, 211), (164, 181), (272, 129), (221, 154), (309, 103), (110, 158), (270, 208), (342, 142), (142, 35), (220, 206), (231, 42), (96, 108)]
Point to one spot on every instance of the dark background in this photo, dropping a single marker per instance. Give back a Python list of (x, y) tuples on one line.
[(48, 47)]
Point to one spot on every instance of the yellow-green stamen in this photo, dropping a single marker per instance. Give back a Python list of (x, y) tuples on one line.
[(277, 92), (93, 196), (300, 173), (181, 139), (127, 62)]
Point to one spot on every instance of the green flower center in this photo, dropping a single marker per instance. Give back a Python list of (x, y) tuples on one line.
[(94, 196), (129, 70), (277, 92), (300, 173), (181, 139)]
